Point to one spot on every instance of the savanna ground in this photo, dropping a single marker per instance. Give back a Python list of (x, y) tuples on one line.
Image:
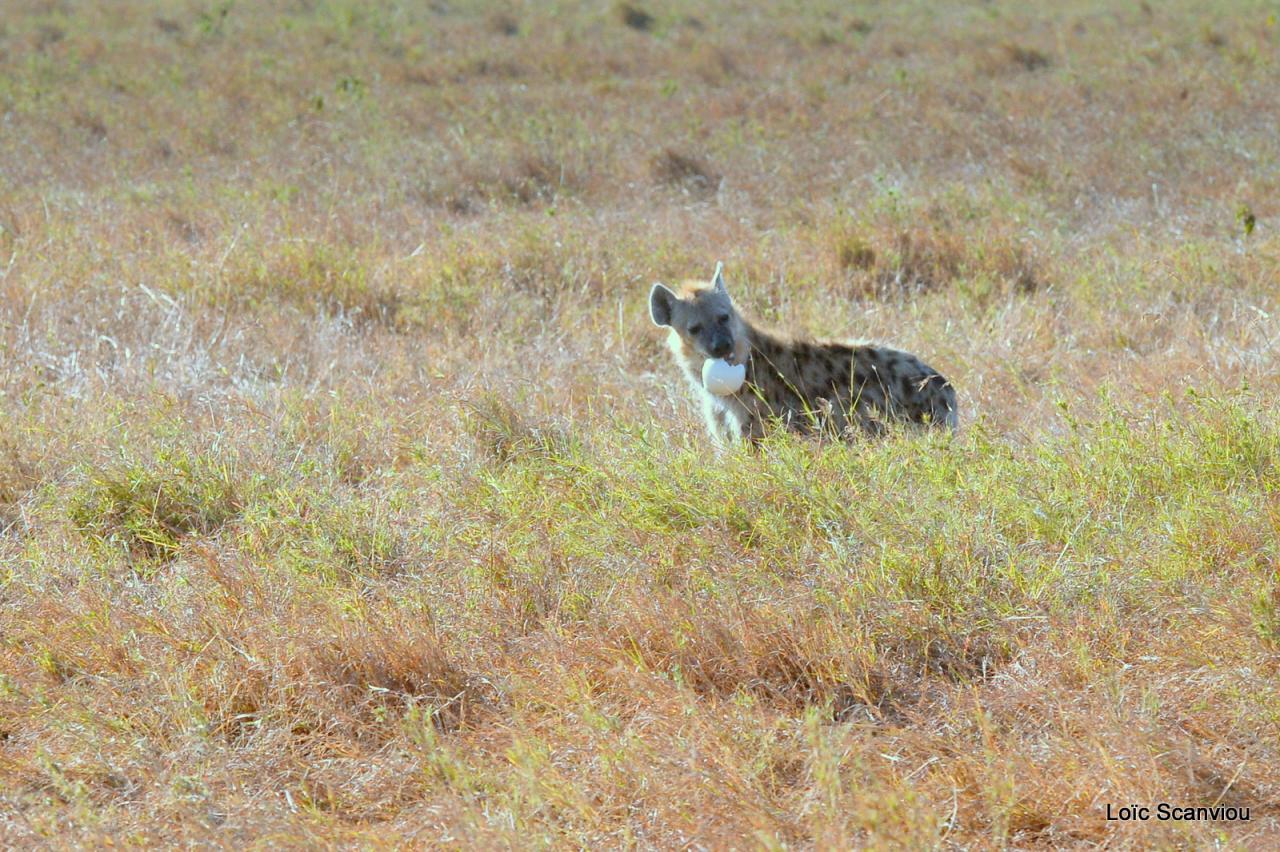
[(347, 496)]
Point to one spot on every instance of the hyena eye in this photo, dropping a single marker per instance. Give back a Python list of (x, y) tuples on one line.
[(723, 318), (695, 328)]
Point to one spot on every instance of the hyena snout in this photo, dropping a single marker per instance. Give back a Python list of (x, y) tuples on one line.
[(721, 346)]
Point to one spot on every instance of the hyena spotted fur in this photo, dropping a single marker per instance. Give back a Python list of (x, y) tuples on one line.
[(830, 387)]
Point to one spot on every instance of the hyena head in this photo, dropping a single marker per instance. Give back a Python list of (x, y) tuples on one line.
[(703, 315)]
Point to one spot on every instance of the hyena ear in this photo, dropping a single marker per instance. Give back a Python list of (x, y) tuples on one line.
[(717, 280), (660, 301)]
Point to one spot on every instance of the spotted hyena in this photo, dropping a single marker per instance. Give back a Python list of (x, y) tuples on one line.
[(832, 387)]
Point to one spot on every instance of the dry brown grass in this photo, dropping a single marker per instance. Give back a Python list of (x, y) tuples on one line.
[(346, 497)]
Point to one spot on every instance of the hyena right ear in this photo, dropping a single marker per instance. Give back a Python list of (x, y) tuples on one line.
[(660, 301)]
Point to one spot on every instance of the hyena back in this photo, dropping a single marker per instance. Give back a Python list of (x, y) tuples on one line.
[(833, 387)]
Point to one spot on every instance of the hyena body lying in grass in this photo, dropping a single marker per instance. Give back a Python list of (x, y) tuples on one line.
[(831, 387)]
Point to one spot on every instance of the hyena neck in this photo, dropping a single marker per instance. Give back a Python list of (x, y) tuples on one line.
[(760, 345), (689, 360), (745, 342)]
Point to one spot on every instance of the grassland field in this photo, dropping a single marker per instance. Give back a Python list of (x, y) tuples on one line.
[(348, 498)]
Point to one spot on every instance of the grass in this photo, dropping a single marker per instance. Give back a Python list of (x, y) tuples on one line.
[(347, 496)]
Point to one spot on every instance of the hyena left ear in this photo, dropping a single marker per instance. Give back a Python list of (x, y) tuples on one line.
[(660, 301), (717, 280)]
